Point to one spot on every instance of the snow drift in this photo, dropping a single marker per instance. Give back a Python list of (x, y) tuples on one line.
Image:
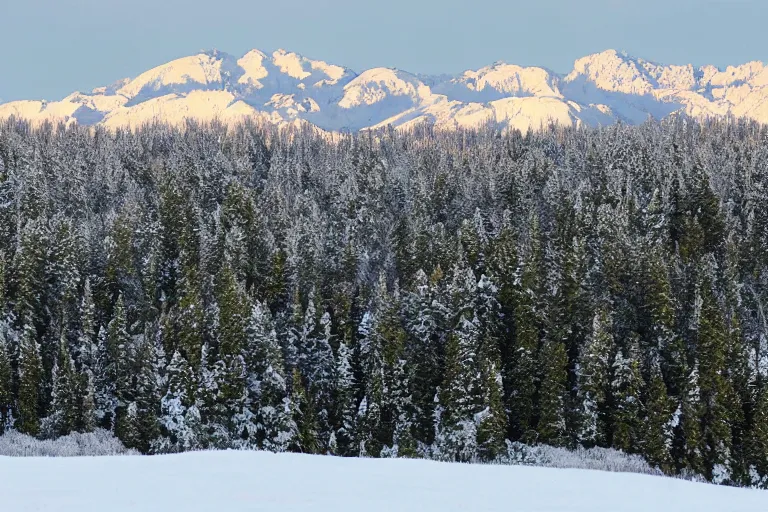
[(259, 481)]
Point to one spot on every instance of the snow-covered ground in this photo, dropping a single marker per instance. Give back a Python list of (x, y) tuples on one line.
[(256, 481)]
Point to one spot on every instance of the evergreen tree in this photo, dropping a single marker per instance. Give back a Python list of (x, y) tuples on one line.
[(142, 412), (368, 421), (344, 398), (64, 412), (86, 341), (425, 315), (120, 367), (688, 439), (303, 416), (188, 320), (553, 364), (521, 365), (467, 423), (758, 442), (626, 389), (182, 427), (594, 371), (99, 370), (30, 381), (717, 396), (231, 373), (29, 273), (658, 422), (6, 389), (321, 378), (272, 424)]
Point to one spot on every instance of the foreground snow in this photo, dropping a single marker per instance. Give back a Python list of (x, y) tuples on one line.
[(256, 481)]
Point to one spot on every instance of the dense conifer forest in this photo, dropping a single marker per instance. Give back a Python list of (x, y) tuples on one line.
[(416, 294)]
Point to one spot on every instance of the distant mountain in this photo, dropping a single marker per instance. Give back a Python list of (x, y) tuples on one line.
[(285, 87)]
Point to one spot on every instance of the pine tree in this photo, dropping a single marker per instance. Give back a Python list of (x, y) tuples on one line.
[(468, 426), (425, 315), (717, 396), (87, 404), (231, 376), (120, 367), (658, 423), (6, 390), (99, 369), (142, 413), (272, 425), (368, 421), (594, 370), (626, 389), (29, 273), (553, 364), (689, 442), (30, 381), (492, 427), (398, 405), (182, 427), (321, 378), (233, 313), (303, 415), (64, 411), (521, 365), (667, 347), (758, 439), (86, 341), (188, 322), (344, 398)]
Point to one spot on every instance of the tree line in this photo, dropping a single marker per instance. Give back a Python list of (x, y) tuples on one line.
[(393, 293)]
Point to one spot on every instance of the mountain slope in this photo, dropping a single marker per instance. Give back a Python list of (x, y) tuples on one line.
[(251, 481), (285, 87)]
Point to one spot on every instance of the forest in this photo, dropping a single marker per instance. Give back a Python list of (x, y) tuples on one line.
[(420, 293)]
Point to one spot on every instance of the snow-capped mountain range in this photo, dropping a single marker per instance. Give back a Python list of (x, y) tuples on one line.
[(285, 87)]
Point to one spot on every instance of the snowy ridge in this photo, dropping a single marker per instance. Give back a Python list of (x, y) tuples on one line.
[(285, 87), (249, 481)]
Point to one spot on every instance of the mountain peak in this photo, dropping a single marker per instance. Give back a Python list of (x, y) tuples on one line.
[(287, 87)]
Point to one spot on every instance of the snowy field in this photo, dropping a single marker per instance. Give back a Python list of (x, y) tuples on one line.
[(255, 481)]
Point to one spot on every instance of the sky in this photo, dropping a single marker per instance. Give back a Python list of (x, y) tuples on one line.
[(54, 47)]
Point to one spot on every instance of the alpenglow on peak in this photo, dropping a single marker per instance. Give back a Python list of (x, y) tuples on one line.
[(285, 87)]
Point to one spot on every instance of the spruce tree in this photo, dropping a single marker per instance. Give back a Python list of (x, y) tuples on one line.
[(522, 364), (30, 381), (470, 422), (303, 416), (717, 396), (594, 372), (688, 439), (86, 341), (142, 413), (120, 368), (231, 377), (64, 412), (657, 421), (268, 392), (181, 425), (368, 423), (758, 439), (425, 316), (626, 390), (553, 380), (6, 390), (344, 399)]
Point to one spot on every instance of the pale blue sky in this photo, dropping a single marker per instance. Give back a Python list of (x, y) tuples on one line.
[(53, 47)]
